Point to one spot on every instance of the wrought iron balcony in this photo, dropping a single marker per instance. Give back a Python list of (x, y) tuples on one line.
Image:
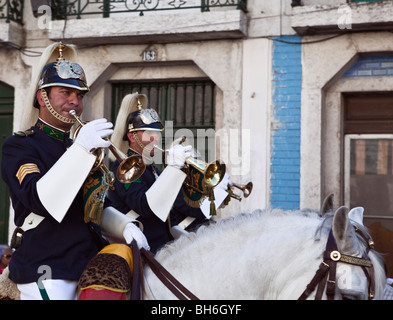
[(77, 8), (11, 10), (354, 16), (367, 0)]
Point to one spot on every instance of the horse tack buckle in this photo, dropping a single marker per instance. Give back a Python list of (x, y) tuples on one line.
[(335, 255)]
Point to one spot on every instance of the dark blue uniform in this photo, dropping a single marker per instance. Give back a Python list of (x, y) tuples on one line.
[(132, 196), (65, 247)]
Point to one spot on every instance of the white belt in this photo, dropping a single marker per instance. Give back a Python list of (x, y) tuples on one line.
[(31, 221), (183, 224), (186, 222), (133, 215)]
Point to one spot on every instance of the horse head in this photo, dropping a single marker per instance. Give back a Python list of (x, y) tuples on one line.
[(359, 271)]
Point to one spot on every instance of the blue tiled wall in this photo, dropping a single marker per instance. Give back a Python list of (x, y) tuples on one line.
[(285, 135), (371, 66)]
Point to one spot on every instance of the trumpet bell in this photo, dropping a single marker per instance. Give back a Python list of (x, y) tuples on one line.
[(130, 169), (247, 189), (214, 173)]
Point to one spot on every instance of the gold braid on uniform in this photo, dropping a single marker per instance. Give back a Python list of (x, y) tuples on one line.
[(53, 111)]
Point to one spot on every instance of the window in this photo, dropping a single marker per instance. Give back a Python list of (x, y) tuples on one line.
[(185, 108), (369, 174)]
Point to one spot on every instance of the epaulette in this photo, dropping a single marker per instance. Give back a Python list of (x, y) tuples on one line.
[(24, 133)]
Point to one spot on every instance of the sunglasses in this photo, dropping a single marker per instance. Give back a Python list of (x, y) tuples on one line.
[(7, 256)]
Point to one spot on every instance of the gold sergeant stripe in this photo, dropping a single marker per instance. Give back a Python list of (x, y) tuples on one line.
[(25, 169)]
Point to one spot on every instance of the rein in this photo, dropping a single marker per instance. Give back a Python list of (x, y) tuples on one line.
[(170, 281), (326, 274), (181, 292)]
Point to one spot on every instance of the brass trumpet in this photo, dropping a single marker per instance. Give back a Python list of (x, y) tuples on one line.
[(130, 168), (212, 172), (245, 188)]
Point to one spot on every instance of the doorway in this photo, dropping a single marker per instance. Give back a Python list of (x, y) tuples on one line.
[(368, 164)]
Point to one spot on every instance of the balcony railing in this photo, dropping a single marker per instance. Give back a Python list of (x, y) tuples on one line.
[(367, 0), (11, 10), (77, 8)]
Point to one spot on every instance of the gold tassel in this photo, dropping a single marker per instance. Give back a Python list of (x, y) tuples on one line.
[(94, 205)]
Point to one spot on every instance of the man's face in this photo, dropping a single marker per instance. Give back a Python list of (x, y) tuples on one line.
[(147, 138), (62, 99)]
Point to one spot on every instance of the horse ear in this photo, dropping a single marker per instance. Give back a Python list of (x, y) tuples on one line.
[(340, 226), (327, 205), (356, 214)]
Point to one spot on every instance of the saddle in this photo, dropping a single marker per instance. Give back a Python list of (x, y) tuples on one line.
[(108, 276), (116, 273)]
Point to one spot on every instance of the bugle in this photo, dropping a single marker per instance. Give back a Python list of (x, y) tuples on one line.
[(130, 168), (212, 172), (245, 188)]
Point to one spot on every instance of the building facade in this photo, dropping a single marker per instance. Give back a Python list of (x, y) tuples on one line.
[(294, 96)]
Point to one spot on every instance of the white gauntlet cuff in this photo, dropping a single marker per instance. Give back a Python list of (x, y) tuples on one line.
[(69, 174), (162, 194)]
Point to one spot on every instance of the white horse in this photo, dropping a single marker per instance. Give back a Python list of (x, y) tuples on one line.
[(271, 254)]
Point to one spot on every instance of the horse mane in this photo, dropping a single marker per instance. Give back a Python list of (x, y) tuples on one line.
[(257, 221)]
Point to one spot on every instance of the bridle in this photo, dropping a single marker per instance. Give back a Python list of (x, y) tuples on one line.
[(326, 274), (181, 292)]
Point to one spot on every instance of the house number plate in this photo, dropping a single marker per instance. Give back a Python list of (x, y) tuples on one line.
[(149, 55)]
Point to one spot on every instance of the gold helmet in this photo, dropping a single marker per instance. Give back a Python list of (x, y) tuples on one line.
[(134, 115), (57, 67), (144, 119)]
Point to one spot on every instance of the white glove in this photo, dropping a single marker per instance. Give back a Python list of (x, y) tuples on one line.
[(177, 155), (132, 232), (91, 134)]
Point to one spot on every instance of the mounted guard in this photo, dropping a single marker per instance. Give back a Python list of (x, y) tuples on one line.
[(46, 173)]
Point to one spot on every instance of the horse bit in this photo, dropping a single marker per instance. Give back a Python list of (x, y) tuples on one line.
[(326, 273)]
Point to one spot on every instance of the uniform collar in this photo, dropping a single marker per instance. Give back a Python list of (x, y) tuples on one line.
[(52, 131), (131, 152)]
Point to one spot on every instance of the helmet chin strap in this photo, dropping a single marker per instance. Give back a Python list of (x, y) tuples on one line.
[(53, 111), (137, 140), (147, 158)]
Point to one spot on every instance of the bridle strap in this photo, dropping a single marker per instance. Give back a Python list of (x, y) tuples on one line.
[(326, 272), (137, 285), (170, 282), (331, 281), (321, 286), (320, 275), (370, 275), (323, 274)]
